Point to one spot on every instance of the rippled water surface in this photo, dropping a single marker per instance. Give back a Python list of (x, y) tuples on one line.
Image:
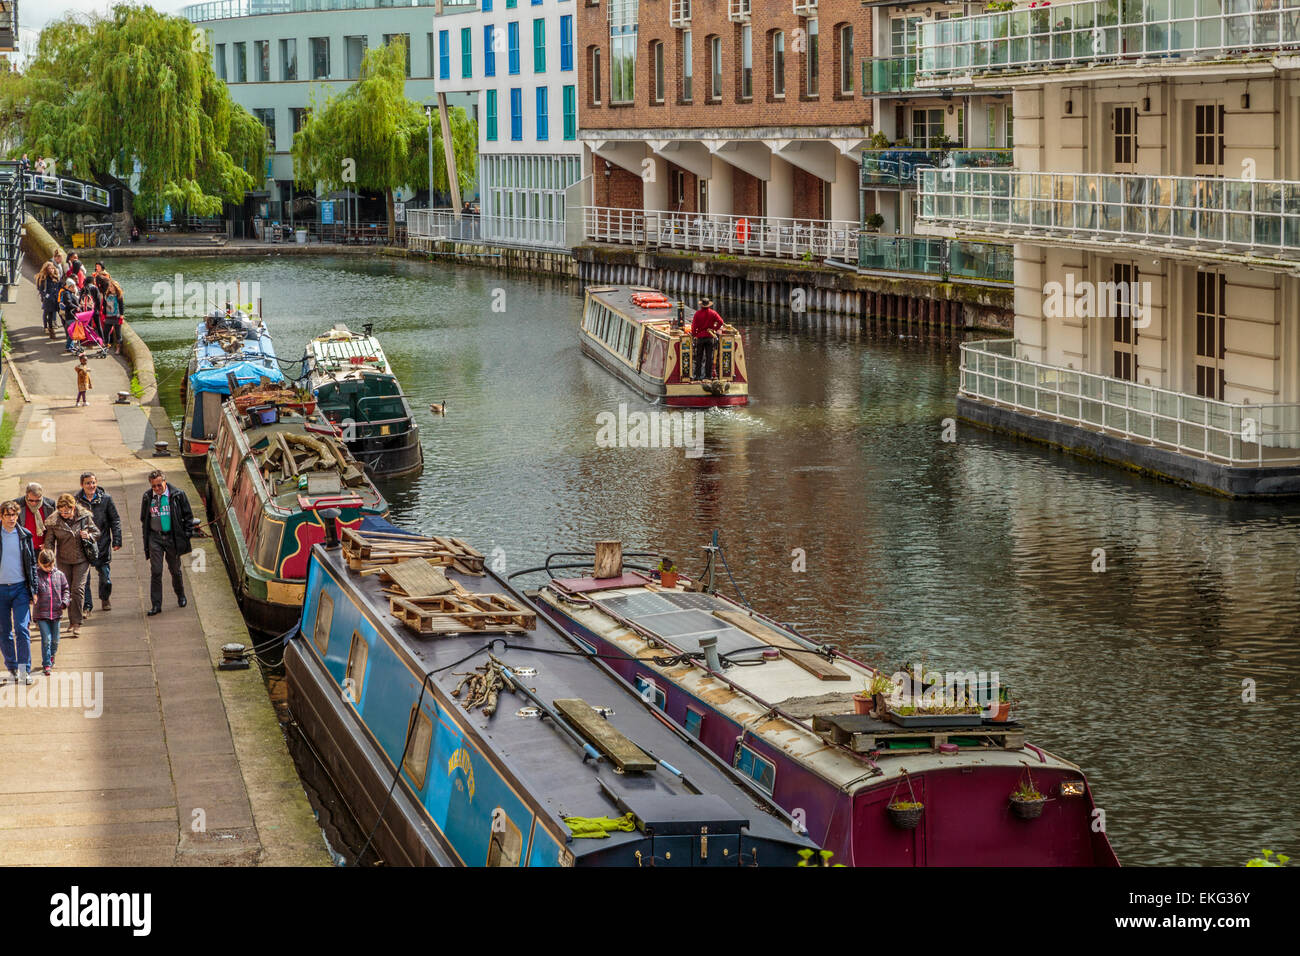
[(976, 554)]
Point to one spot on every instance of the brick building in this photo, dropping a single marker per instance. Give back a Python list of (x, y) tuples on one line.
[(747, 108)]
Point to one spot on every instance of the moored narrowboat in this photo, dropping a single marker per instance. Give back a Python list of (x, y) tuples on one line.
[(560, 765), (878, 788), (272, 470), (358, 391), (638, 335), (237, 343)]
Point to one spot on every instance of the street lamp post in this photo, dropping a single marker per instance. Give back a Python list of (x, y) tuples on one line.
[(428, 115)]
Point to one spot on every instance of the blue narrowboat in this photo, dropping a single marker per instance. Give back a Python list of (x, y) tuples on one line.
[(372, 695)]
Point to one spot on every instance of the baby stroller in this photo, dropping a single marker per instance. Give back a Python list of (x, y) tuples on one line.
[(85, 339)]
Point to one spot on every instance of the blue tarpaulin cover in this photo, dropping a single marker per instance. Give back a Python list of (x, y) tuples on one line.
[(376, 523), (246, 373)]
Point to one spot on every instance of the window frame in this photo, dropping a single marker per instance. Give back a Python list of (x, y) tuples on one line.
[(358, 685), (322, 614), (415, 753)]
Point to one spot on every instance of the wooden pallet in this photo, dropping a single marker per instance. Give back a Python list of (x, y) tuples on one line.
[(878, 735), (366, 550), (460, 612)]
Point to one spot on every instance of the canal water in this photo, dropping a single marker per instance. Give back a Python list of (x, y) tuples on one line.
[(1127, 616)]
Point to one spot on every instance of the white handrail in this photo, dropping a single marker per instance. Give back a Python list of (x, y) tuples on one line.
[(786, 238)]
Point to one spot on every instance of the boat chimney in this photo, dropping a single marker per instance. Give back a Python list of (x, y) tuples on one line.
[(709, 645), (609, 559), (329, 518)]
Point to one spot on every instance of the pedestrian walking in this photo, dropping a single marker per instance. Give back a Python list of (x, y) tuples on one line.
[(83, 382), (114, 313), (103, 511), (52, 596), (74, 538), (69, 305), (34, 509), (165, 524), (48, 285), (17, 585)]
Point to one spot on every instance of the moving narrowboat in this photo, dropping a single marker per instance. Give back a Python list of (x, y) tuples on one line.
[(358, 391), (876, 788), (637, 334), (236, 343), (560, 765), (274, 468)]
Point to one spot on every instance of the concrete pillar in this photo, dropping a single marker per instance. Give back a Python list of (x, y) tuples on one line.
[(780, 190)]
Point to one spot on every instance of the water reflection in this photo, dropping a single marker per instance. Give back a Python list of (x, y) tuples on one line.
[(978, 553)]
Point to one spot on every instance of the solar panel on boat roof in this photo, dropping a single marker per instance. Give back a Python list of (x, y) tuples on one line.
[(682, 618), (637, 605)]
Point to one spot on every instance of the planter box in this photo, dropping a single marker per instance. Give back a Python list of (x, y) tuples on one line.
[(936, 720)]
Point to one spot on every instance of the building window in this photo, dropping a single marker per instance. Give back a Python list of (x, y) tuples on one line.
[(491, 133), (444, 55), (761, 771), (715, 68), (512, 47), (595, 76), (487, 6), (262, 58), (241, 62), (688, 67), (220, 61), (466, 53), (657, 65), (543, 125), (846, 60), (1125, 126), (511, 4), (902, 35), (516, 114), (1211, 319), (570, 112), (267, 116), (1209, 134), (489, 54), (354, 51), (778, 64), (622, 64), (405, 38), (539, 45), (1009, 130), (813, 75), (298, 116), (746, 62), (566, 43), (1125, 335), (320, 57), (288, 60), (927, 126)]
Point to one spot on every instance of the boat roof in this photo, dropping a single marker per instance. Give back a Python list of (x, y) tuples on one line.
[(547, 762), (209, 352), (619, 298), (679, 618), (341, 353)]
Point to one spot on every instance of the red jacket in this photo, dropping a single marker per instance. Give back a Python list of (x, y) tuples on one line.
[(703, 322)]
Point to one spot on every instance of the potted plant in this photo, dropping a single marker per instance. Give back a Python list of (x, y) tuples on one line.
[(880, 688), (874, 222), (905, 814), (879, 140), (1002, 710), (862, 700), (667, 573), (1026, 801)]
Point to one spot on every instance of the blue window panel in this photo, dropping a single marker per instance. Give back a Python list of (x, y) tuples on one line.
[(512, 46), (444, 55), (651, 692), (542, 124), (516, 114), (511, 4), (570, 112), (487, 6), (466, 53), (755, 767), (489, 55), (537, 3), (491, 115), (539, 45), (566, 43), (694, 721)]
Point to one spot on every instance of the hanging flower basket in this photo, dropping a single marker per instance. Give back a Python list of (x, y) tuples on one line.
[(1026, 801), (905, 814)]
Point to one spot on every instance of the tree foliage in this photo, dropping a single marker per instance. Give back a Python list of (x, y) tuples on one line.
[(372, 137), (103, 94)]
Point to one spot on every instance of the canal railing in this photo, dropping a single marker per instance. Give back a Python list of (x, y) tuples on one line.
[(764, 236), (443, 225), (13, 211), (1237, 435), (898, 166), (229, 9), (939, 258), (64, 190)]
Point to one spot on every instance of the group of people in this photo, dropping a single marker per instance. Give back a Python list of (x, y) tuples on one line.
[(49, 546), (27, 167), (67, 291)]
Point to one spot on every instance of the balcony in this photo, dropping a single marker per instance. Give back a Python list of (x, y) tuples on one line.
[(230, 9), (895, 74), (945, 259), (1236, 436), (768, 236), (679, 14), (1105, 31), (897, 167), (738, 11), (1200, 214)]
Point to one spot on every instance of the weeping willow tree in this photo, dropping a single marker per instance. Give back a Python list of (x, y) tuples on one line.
[(135, 91), (372, 137)]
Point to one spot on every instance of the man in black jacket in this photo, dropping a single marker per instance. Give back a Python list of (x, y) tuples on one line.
[(165, 521), (98, 502)]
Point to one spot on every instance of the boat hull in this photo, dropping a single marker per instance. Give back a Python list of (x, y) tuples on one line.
[(655, 390), (384, 457)]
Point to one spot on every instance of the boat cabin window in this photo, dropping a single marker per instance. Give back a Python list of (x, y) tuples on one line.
[(507, 843), (694, 721), (761, 771), (355, 675), (320, 634), (419, 730), (266, 544), (649, 690)]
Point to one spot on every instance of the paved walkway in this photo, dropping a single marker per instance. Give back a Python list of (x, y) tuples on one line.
[(185, 764)]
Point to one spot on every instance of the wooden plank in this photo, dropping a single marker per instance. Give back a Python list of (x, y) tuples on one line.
[(419, 578), (819, 667), (609, 560), (604, 736)]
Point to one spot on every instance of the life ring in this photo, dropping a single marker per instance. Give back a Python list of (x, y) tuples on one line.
[(742, 230)]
